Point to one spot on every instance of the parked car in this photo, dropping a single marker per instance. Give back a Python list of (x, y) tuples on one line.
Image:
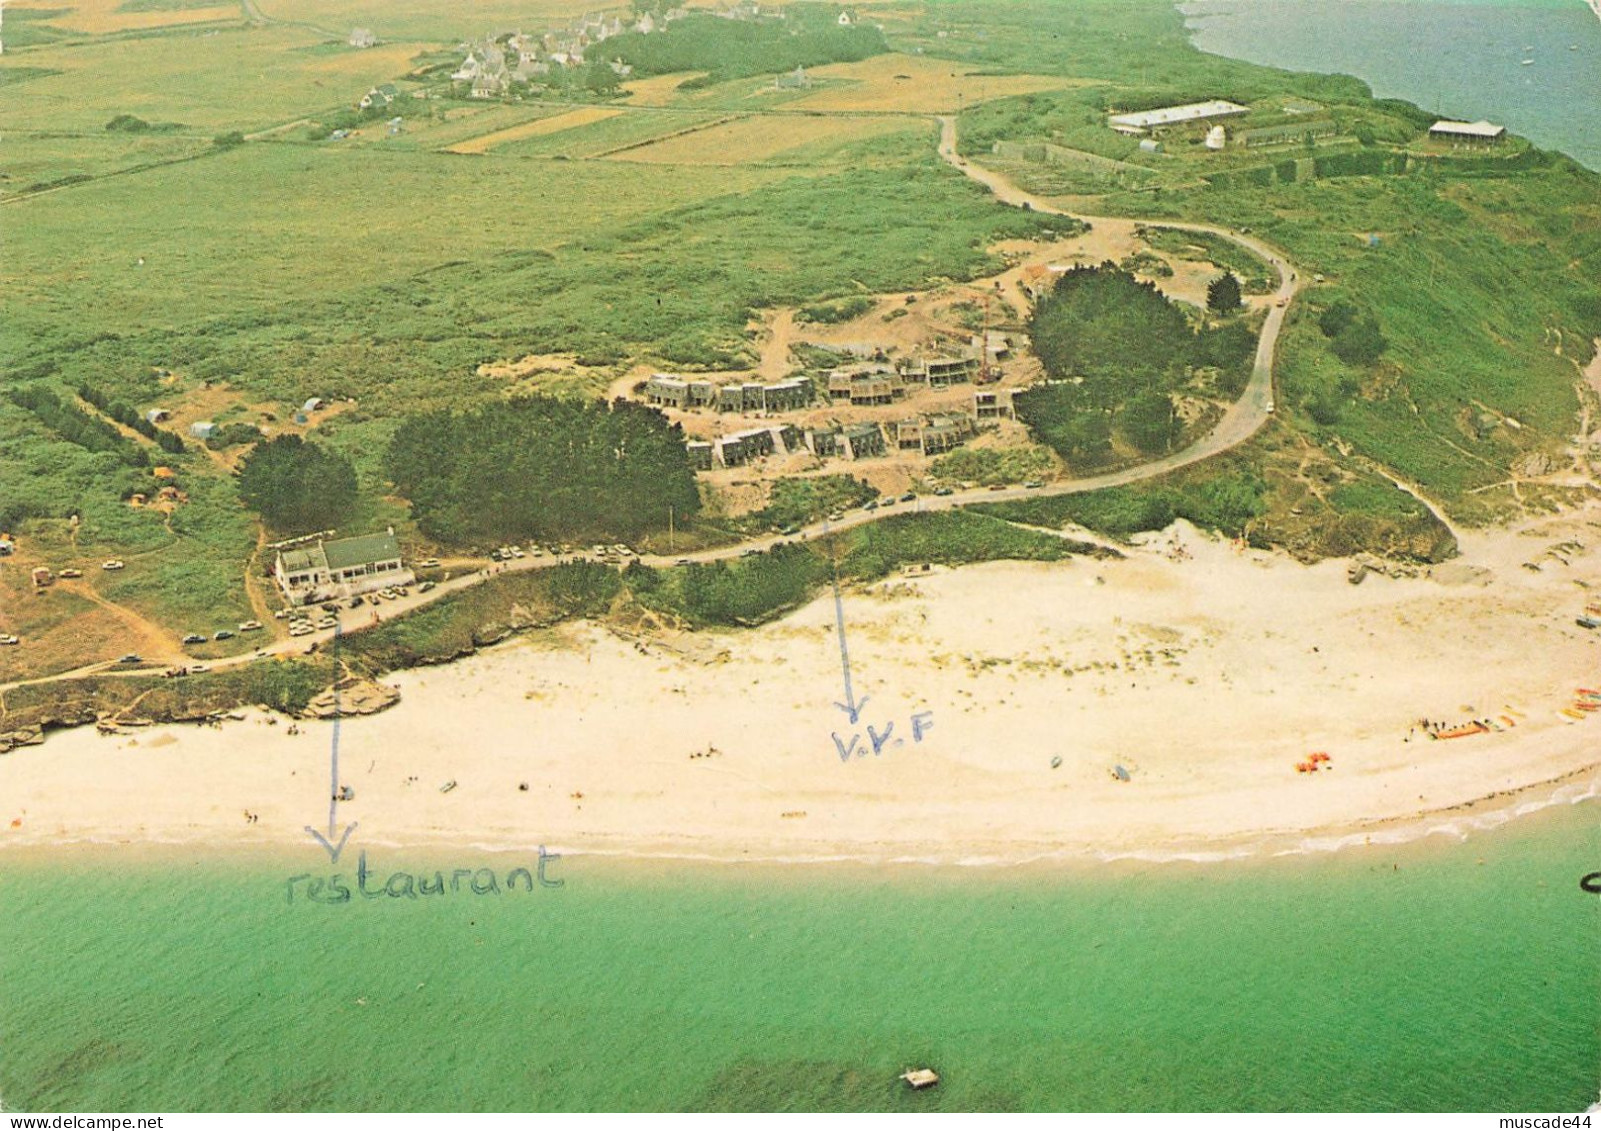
[(943, 491), (70, 573), (326, 623), (8, 640), (871, 505), (299, 628), (130, 658), (517, 552), (113, 564), (683, 562), (427, 585), (194, 638), (909, 497), (1033, 484), (357, 602), (428, 563), (250, 626), (887, 501), (330, 606), (222, 634), (197, 669), (1589, 622)]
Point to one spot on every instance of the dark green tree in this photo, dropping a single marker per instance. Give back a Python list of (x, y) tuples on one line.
[(1149, 422), (543, 468), (297, 486), (1223, 294)]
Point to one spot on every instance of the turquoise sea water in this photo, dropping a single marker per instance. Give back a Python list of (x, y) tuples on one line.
[(1458, 59), (1440, 975)]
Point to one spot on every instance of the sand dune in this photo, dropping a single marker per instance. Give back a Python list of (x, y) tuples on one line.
[(1205, 672)]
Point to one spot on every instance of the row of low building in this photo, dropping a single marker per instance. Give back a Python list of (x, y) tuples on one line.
[(928, 434), (749, 396)]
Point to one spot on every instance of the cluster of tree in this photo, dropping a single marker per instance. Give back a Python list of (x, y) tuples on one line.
[(593, 77), (75, 426), (729, 49), (1115, 349), (129, 124), (1354, 335), (297, 486), (230, 435), (542, 468), (124, 414)]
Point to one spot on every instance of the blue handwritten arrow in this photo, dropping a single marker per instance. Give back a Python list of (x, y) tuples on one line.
[(852, 706), (333, 847)]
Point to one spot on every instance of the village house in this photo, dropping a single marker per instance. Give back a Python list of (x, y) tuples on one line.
[(157, 415), (345, 567), (362, 37), (700, 454)]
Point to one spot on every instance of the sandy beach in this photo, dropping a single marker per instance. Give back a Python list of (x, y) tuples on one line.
[(1001, 699)]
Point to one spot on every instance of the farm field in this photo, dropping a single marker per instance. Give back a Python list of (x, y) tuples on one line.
[(604, 137), (98, 17), (556, 123), (758, 138)]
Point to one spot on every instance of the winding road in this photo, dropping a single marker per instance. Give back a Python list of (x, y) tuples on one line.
[(1239, 423)]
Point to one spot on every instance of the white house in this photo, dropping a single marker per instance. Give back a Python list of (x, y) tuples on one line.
[(363, 37), (344, 567)]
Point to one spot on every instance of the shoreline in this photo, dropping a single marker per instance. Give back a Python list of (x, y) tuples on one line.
[(1207, 671)]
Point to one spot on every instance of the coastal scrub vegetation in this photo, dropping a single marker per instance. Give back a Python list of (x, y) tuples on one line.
[(728, 49), (1115, 350)]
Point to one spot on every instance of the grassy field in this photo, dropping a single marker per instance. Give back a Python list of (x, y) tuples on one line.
[(914, 84), (196, 79)]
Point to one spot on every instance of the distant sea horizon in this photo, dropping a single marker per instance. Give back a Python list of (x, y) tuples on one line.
[(1461, 60)]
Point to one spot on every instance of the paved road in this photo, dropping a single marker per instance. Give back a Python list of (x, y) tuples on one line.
[(1242, 420)]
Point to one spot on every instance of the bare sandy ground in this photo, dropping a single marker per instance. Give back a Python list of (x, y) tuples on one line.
[(1206, 672)]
